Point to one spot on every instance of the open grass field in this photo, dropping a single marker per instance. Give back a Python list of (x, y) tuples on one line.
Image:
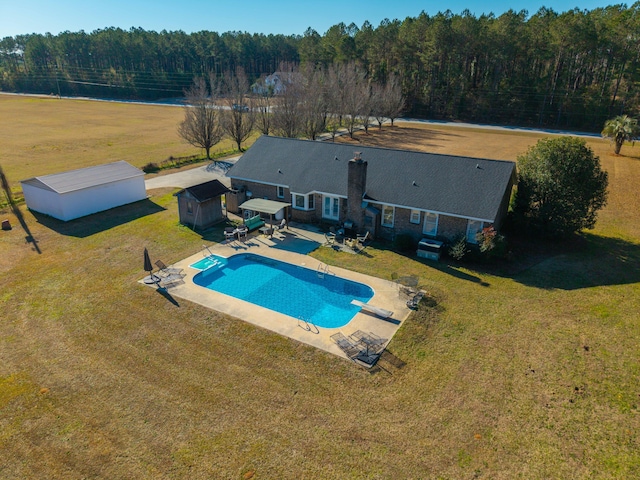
[(528, 372), (39, 136)]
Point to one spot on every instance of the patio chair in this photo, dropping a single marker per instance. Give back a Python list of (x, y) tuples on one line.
[(229, 234), (283, 225), (331, 238), (242, 232), (414, 301), (168, 271), (362, 239)]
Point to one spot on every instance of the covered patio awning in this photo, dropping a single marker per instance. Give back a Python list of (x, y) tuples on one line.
[(261, 205)]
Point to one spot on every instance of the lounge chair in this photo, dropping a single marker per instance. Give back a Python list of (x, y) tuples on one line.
[(349, 348), (168, 271), (282, 226), (171, 280)]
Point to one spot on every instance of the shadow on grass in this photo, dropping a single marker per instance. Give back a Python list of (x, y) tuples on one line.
[(588, 261), (29, 238), (215, 234), (165, 293), (101, 221), (583, 261), (441, 266)]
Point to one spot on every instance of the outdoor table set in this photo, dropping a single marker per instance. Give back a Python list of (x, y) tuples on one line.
[(239, 233), (362, 346)]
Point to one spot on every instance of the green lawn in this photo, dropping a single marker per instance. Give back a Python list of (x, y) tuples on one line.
[(530, 370)]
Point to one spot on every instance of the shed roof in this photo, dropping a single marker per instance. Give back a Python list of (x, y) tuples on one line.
[(83, 178), (206, 191), (461, 186)]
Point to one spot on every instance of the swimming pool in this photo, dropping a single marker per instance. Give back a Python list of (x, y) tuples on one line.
[(322, 299)]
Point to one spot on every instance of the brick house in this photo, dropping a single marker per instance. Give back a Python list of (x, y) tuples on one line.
[(385, 191)]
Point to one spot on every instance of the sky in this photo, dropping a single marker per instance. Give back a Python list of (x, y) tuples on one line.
[(289, 17)]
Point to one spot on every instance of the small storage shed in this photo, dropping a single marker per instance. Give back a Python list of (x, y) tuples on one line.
[(200, 206), (78, 193)]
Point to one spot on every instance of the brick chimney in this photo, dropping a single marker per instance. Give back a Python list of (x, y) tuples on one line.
[(356, 188)]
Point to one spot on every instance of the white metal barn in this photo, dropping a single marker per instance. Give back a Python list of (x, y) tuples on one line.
[(78, 193)]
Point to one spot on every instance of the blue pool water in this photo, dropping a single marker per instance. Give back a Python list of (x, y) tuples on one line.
[(208, 262), (324, 300)]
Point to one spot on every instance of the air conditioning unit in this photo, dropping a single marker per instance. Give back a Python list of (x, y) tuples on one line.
[(430, 249)]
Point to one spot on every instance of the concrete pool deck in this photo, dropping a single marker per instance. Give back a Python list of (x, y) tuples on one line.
[(292, 246)]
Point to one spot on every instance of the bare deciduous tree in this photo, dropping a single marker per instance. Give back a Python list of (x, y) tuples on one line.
[(262, 106), (354, 92), (201, 126), (286, 114), (313, 103), (367, 106), (394, 101), (377, 103), (239, 114)]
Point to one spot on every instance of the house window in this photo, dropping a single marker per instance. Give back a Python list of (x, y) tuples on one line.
[(302, 202), (430, 226), (331, 208), (189, 207), (415, 216), (312, 202), (280, 192), (473, 228), (387, 216)]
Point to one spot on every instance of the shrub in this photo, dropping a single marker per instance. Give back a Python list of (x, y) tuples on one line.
[(491, 242), (151, 167), (459, 248)]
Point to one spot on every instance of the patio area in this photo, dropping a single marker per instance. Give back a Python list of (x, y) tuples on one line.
[(292, 245)]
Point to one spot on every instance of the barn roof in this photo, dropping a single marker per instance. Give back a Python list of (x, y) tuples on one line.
[(83, 178)]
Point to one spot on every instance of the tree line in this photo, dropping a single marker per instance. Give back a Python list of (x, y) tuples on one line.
[(295, 102), (573, 69)]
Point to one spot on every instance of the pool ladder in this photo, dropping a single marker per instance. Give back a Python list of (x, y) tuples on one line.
[(322, 270), (206, 252), (308, 325)]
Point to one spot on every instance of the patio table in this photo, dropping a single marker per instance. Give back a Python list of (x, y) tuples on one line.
[(367, 340), (266, 231)]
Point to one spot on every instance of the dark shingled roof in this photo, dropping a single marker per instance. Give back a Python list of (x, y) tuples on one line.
[(206, 191), (460, 186)]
